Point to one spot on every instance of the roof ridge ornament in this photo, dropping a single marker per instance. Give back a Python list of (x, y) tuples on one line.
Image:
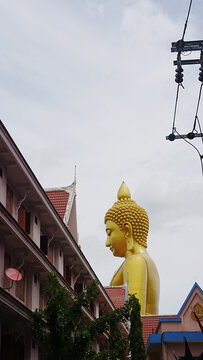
[(75, 181)]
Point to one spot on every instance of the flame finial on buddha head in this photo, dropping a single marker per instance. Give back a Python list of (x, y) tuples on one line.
[(123, 192)]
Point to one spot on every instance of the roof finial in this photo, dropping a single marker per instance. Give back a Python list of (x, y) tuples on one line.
[(74, 175)]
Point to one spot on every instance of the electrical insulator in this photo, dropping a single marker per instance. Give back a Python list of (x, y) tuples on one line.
[(179, 75), (201, 74), (171, 137), (190, 135)]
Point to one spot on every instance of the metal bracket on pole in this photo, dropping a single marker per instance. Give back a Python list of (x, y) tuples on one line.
[(184, 46), (189, 136)]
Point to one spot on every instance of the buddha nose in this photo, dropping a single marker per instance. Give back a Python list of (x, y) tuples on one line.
[(107, 242)]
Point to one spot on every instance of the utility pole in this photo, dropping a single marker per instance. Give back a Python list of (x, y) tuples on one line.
[(180, 47)]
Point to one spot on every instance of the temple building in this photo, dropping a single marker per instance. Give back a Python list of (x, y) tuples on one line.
[(171, 332), (38, 235), (165, 334)]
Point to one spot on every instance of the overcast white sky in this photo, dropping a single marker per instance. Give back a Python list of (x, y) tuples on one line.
[(91, 83)]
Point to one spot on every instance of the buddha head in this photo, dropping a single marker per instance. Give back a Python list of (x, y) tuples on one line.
[(126, 224)]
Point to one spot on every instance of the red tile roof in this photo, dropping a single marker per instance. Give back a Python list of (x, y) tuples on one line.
[(117, 296), (149, 324), (59, 199)]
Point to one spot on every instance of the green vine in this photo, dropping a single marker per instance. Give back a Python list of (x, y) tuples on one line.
[(62, 333)]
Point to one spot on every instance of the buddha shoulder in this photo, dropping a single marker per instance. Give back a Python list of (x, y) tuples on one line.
[(136, 261)]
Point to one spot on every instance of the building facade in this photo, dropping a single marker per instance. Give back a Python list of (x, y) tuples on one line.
[(36, 239)]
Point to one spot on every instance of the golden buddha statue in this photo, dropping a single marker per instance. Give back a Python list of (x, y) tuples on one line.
[(127, 226)]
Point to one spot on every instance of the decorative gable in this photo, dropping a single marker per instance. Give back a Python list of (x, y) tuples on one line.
[(63, 199), (194, 300)]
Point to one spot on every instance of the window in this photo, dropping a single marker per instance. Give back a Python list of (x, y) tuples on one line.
[(44, 244), (78, 288), (24, 219), (7, 264), (36, 220), (50, 253), (67, 274), (27, 223), (91, 306), (41, 298), (20, 287), (1, 172), (9, 200), (35, 278), (21, 217)]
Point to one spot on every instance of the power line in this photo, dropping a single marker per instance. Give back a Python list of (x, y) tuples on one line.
[(188, 142), (186, 22), (198, 102)]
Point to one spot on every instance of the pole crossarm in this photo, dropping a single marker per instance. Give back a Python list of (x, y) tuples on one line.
[(183, 46), (188, 62)]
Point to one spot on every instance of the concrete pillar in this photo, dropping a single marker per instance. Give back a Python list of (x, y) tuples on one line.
[(29, 276), (33, 290), (35, 229), (2, 256), (3, 183), (0, 338), (31, 348), (96, 309), (95, 346), (55, 255), (60, 261), (72, 279)]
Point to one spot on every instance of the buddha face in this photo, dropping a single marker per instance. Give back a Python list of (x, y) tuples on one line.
[(116, 240)]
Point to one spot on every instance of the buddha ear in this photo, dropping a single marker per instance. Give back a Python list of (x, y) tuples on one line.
[(128, 230)]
